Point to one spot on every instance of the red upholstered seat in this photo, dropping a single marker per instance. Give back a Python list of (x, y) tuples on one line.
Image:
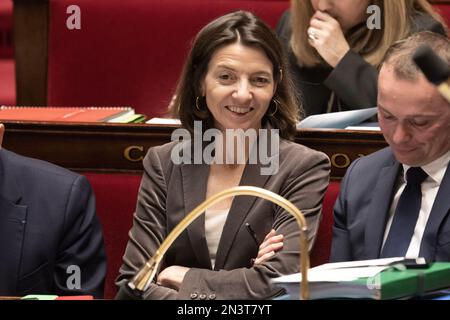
[(116, 196), (7, 72), (7, 82), (130, 52), (321, 251), (444, 10)]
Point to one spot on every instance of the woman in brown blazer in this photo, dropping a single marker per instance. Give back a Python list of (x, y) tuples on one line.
[(234, 82)]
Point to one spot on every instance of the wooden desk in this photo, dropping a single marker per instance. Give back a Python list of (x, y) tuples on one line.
[(121, 147)]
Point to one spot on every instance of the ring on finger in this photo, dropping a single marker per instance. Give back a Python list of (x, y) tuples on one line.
[(313, 34)]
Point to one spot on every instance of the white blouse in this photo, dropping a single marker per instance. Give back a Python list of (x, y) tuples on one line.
[(214, 222)]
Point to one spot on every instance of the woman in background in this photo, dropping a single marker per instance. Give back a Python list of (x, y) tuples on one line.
[(333, 54)]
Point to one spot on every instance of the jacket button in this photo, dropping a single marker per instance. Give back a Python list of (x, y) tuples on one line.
[(202, 296), (212, 296), (194, 295)]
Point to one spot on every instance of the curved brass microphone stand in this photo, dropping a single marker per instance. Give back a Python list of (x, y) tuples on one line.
[(144, 277)]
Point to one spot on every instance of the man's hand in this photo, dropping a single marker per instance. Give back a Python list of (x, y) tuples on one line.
[(326, 36), (172, 277), (271, 244), (2, 131)]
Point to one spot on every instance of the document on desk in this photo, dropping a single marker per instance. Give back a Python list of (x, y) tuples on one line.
[(346, 274), (343, 271), (337, 120), (369, 279), (164, 121), (359, 263), (333, 275)]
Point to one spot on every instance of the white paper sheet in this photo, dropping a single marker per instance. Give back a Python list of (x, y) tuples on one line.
[(163, 121), (337, 120)]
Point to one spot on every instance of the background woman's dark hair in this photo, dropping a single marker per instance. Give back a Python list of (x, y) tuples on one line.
[(245, 28)]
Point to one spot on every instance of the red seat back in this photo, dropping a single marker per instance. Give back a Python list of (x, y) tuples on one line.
[(444, 10), (116, 196), (6, 26), (130, 52), (7, 76), (321, 252)]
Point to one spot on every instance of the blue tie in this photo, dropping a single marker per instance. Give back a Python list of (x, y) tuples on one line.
[(406, 214)]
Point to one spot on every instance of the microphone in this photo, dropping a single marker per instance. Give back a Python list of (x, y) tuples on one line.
[(436, 70), (134, 289)]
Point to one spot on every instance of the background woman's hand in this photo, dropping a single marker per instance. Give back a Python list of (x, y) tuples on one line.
[(326, 36), (271, 244)]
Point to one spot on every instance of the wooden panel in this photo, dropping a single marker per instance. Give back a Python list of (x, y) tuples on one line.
[(120, 148), (342, 146), (30, 51)]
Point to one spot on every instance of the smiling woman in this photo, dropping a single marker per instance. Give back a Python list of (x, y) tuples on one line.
[(217, 50), (238, 87), (234, 82)]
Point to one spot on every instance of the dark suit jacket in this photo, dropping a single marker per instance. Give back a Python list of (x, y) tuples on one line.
[(353, 80), (47, 223), (361, 211), (169, 192)]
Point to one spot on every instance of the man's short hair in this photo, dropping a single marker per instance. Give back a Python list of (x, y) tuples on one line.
[(399, 56)]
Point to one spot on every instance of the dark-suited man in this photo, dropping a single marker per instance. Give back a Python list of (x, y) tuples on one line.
[(50, 238), (396, 201)]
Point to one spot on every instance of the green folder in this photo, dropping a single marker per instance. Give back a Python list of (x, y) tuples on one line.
[(392, 283), (395, 284)]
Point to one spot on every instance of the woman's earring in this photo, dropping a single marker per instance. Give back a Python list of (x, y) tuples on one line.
[(197, 103), (277, 103)]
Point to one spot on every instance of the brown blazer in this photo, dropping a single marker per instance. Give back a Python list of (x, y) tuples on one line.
[(168, 192)]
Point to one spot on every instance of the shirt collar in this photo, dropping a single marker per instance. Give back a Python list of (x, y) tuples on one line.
[(435, 169)]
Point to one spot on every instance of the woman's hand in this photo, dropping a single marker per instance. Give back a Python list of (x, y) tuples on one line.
[(326, 36), (271, 244), (172, 277)]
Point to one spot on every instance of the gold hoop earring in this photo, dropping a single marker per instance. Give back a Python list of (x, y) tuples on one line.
[(197, 104), (277, 103)]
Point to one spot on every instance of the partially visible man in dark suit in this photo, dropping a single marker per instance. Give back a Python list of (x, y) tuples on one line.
[(51, 240), (396, 202)]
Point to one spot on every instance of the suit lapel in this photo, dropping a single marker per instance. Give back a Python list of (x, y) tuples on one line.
[(195, 178), (239, 210), (439, 211), (378, 209)]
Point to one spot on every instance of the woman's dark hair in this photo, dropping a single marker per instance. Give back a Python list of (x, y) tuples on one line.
[(236, 27)]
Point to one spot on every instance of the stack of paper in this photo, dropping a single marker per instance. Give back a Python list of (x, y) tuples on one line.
[(337, 120), (368, 279), (70, 114), (164, 121)]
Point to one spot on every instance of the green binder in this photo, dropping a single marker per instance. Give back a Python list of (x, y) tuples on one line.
[(391, 283), (395, 284)]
